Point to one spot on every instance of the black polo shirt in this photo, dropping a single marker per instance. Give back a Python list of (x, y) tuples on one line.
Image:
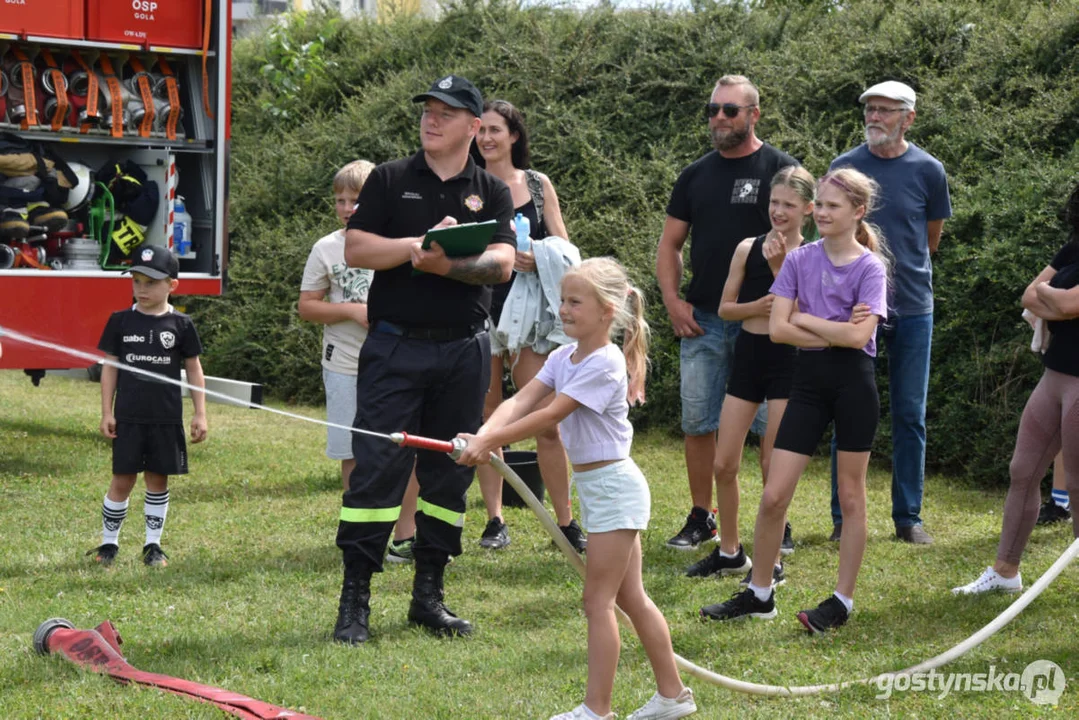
[(405, 198), (725, 201)]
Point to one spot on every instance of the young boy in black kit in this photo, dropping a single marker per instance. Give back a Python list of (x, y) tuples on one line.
[(146, 422)]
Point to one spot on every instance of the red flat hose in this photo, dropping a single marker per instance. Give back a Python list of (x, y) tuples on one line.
[(99, 650)]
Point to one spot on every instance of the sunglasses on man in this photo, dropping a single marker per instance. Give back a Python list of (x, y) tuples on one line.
[(728, 109)]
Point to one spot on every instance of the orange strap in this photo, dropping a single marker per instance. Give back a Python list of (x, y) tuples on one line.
[(26, 257), (116, 97), (59, 85), (26, 68), (147, 123), (91, 92), (206, 15), (174, 98)]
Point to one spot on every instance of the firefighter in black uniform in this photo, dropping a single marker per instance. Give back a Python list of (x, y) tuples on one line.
[(425, 365)]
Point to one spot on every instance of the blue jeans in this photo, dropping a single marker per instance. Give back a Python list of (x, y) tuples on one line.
[(705, 366), (908, 339)]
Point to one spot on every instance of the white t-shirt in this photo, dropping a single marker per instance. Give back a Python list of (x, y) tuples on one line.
[(600, 428), (326, 270)]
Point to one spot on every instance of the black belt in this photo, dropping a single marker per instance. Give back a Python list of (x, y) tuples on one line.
[(436, 334)]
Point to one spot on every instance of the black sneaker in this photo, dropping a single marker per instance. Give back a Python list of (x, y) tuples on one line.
[(154, 556), (495, 536), (575, 535), (716, 564), (741, 605), (700, 526), (778, 577), (104, 555), (787, 546), (837, 533), (1051, 513), (828, 615)]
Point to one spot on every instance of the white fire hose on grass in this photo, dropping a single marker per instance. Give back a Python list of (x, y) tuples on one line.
[(454, 448), (798, 690)]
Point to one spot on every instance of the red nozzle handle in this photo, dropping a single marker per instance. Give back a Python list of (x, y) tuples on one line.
[(405, 440)]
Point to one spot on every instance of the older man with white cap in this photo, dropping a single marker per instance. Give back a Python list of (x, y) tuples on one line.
[(914, 203)]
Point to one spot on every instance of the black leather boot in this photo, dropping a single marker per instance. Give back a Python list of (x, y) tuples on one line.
[(427, 608), (355, 607)]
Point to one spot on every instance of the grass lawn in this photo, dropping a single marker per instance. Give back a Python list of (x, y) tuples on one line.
[(249, 598)]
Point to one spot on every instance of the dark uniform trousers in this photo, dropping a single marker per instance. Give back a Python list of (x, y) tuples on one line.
[(424, 387)]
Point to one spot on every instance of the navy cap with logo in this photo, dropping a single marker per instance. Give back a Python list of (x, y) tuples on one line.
[(154, 261), (456, 92)]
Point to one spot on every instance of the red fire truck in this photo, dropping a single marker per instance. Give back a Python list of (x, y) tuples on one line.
[(125, 105)]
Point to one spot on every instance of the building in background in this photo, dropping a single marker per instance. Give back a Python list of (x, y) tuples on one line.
[(246, 14)]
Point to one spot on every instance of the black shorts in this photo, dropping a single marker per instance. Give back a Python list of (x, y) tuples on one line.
[(140, 447), (761, 369), (832, 384)]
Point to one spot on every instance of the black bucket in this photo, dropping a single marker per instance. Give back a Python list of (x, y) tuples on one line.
[(524, 463)]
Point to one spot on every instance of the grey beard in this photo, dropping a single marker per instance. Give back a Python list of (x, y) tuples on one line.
[(732, 139), (886, 139)]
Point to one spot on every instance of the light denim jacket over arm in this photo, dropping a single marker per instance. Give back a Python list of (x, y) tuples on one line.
[(530, 315)]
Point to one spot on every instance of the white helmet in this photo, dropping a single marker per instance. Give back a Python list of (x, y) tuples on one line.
[(79, 196)]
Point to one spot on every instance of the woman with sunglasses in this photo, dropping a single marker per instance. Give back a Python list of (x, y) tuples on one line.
[(1050, 422), (501, 147), (829, 297)]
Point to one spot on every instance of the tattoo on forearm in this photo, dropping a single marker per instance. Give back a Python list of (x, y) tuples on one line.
[(477, 270)]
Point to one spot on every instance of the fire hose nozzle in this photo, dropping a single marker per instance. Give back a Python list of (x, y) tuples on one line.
[(453, 448)]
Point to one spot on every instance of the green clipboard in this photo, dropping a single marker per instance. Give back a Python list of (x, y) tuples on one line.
[(461, 240)]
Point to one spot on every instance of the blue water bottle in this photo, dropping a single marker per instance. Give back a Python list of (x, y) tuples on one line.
[(524, 242)]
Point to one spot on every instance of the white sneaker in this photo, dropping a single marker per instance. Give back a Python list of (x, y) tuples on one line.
[(663, 708), (991, 580), (582, 713)]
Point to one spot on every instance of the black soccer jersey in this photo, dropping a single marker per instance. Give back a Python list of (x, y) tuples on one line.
[(159, 344)]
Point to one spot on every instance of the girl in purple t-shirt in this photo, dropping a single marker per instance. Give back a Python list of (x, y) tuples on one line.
[(829, 297), (592, 391)]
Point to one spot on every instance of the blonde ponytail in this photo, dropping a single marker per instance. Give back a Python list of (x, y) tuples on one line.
[(611, 284), (863, 191), (636, 336)]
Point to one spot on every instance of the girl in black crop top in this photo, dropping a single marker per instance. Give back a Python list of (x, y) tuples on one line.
[(761, 370), (1050, 422)]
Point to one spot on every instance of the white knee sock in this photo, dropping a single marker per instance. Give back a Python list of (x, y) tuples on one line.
[(112, 517), (157, 507)]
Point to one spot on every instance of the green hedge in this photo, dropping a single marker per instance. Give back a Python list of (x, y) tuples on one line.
[(613, 101)]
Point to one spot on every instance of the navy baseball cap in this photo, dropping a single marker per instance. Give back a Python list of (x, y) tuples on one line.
[(456, 92), (154, 261)]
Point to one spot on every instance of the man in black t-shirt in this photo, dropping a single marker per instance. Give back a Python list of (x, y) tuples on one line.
[(425, 365), (718, 201)]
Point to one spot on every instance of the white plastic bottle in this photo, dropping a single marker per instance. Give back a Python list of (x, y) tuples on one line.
[(181, 228)]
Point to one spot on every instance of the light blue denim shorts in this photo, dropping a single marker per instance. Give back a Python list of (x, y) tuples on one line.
[(614, 497), (340, 410), (705, 368)]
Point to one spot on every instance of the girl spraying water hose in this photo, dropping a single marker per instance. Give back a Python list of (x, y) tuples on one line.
[(593, 384)]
